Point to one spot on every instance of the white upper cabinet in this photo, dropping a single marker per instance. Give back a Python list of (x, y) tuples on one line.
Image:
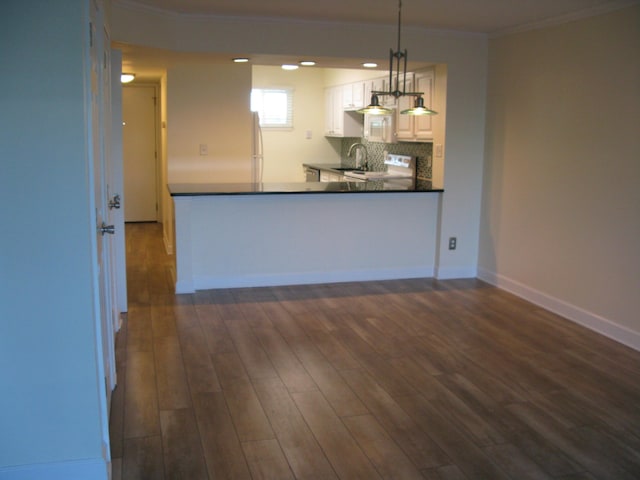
[(353, 96), (424, 82), (338, 121), (382, 85), (410, 128), (405, 123), (333, 111), (342, 101)]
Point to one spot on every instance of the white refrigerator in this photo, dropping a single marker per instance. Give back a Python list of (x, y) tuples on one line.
[(257, 154)]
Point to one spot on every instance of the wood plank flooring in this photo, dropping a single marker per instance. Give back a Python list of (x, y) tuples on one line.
[(411, 379)]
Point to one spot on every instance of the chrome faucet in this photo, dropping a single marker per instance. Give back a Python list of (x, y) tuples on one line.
[(356, 146)]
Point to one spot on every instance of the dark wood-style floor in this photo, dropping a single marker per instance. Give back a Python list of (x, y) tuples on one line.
[(398, 379)]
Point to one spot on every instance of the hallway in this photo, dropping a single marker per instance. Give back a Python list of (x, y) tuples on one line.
[(406, 379)]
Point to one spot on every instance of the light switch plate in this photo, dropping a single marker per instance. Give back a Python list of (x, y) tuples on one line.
[(204, 149)]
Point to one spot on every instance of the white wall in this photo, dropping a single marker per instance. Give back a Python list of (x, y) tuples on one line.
[(561, 206), (209, 104), (249, 240), (50, 411), (286, 150), (464, 55)]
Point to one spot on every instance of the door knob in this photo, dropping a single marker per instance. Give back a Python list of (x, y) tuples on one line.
[(115, 202), (104, 228)]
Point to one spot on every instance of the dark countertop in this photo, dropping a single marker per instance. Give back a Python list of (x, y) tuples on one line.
[(336, 167), (371, 186)]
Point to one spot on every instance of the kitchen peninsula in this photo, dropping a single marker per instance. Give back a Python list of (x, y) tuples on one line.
[(247, 235)]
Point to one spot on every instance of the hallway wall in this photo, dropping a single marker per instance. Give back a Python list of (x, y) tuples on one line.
[(51, 406)]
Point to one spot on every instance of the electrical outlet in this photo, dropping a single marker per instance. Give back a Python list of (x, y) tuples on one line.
[(453, 241)]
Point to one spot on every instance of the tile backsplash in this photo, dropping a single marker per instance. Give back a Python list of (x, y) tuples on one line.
[(422, 151)]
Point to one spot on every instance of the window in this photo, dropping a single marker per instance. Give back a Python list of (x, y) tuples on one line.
[(274, 105)]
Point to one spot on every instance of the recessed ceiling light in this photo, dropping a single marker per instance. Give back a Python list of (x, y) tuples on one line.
[(307, 63), (289, 67), (127, 77), (241, 60), (370, 65)]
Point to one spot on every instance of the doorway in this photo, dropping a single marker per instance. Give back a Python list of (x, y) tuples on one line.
[(140, 153)]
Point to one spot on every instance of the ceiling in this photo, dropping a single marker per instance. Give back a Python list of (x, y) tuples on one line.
[(482, 16), (491, 17)]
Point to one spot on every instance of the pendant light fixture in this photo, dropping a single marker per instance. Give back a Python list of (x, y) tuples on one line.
[(400, 58), (418, 108)]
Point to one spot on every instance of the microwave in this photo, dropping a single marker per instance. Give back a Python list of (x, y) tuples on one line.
[(380, 128)]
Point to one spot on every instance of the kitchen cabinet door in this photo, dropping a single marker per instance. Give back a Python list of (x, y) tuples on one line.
[(353, 96), (358, 95), (327, 176), (410, 128), (423, 124), (338, 122), (333, 112), (405, 123), (368, 88), (382, 85)]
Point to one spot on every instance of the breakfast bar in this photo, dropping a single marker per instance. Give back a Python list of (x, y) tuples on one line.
[(249, 235)]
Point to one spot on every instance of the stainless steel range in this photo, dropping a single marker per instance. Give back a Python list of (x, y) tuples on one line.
[(401, 171)]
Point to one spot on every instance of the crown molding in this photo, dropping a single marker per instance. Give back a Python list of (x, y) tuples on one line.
[(134, 6)]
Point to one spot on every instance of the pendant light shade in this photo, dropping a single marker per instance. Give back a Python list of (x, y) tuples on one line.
[(374, 108), (419, 109)]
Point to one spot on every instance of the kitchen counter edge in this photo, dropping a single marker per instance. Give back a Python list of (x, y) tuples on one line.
[(287, 188)]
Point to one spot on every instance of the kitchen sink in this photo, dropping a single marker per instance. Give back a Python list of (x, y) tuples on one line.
[(345, 169), (367, 173)]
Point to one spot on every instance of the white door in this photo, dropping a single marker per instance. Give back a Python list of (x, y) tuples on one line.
[(139, 153), (98, 119), (100, 64), (115, 191)]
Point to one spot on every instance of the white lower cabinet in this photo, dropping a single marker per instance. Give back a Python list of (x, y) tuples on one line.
[(327, 176)]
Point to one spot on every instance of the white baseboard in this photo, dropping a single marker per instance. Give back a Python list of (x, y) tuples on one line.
[(446, 273), (571, 312), (241, 281), (92, 469)]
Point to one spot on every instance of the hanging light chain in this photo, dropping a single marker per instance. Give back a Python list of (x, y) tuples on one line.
[(399, 55)]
